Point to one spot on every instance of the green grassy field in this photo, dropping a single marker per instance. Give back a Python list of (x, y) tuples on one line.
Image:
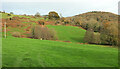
[(69, 33), (5, 15), (24, 52)]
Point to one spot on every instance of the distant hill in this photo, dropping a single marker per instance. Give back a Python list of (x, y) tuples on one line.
[(86, 20), (98, 16)]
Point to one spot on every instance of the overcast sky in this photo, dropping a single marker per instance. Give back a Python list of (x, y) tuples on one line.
[(83, 5), (88, 1)]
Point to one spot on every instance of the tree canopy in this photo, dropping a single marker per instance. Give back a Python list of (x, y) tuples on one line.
[(53, 15)]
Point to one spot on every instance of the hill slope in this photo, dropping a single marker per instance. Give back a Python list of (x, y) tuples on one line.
[(69, 33), (24, 52)]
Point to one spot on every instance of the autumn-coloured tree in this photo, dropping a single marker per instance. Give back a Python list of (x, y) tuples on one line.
[(53, 15), (109, 33)]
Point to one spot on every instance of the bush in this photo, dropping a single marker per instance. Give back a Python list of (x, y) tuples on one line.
[(11, 13), (66, 22), (57, 22), (92, 37), (16, 34), (41, 22), (62, 19), (42, 33), (89, 36), (96, 38)]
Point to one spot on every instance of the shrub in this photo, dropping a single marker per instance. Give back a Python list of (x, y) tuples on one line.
[(43, 33), (96, 38), (10, 18), (57, 22), (92, 37), (88, 36), (16, 34), (66, 22), (11, 12), (41, 22), (62, 19)]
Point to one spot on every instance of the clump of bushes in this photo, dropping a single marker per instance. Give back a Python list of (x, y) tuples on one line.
[(108, 34), (42, 33), (92, 37), (66, 22), (88, 36), (16, 34)]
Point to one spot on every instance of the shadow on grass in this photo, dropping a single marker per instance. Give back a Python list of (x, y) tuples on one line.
[(78, 40)]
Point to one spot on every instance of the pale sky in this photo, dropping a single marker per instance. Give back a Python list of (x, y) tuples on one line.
[(87, 5), (88, 1)]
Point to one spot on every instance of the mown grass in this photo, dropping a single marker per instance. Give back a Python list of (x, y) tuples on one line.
[(69, 33), (24, 52)]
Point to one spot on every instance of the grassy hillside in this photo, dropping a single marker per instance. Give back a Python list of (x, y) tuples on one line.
[(64, 33), (23, 52), (5, 15), (69, 33)]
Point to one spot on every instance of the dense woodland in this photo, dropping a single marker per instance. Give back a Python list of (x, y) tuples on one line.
[(102, 27)]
